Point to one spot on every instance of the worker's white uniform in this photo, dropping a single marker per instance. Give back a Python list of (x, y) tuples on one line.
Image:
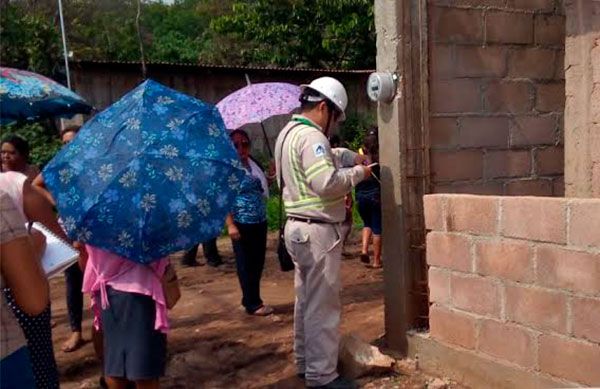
[(313, 195)]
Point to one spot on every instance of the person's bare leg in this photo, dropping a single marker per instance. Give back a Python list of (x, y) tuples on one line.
[(147, 384), (376, 250), (74, 342), (366, 238), (116, 383)]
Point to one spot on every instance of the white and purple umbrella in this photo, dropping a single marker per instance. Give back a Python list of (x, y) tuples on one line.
[(257, 102)]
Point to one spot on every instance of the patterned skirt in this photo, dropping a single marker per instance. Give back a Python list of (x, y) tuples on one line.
[(38, 332)]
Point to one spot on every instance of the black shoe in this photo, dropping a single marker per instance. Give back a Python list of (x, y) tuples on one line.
[(215, 263), (339, 383)]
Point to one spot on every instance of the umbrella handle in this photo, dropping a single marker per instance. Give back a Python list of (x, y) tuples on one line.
[(266, 139)]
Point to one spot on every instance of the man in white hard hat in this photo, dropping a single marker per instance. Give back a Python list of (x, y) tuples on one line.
[(314, 187)]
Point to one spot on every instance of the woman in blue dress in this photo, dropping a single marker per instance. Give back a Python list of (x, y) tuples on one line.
[(247, 227)]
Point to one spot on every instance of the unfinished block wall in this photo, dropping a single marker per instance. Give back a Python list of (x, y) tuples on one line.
[(516, 280), (497, 92)]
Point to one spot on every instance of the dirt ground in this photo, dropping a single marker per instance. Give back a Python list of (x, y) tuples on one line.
[(215, 344)]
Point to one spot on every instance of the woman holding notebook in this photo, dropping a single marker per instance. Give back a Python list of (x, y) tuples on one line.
[(33, 206), (22, 273)]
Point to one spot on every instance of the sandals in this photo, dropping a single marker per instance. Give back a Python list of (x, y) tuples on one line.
[(264, 310), (364, 258), (375, 266)]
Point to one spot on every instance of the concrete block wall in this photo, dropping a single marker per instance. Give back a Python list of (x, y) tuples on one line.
[(497, 92), (516, 280)]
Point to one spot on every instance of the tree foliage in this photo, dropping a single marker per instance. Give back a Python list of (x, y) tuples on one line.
[(29, 39), (302, 33), (294, 33)]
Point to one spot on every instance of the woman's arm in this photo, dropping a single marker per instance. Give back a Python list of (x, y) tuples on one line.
[(232, 229), (37, 208), (40, 185), (23, 273)]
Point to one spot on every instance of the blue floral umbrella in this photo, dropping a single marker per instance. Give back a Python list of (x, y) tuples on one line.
[(30, 96), (152, 174)]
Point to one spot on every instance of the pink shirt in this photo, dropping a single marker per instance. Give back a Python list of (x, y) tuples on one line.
[(107, 269)]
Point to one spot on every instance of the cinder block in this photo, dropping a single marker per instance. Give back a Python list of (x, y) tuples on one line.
[(439, 285), (549, 160), (549, 29), (534, 218), (475, 294), (443, 133), (434, 212), (532, 5), (550, 97), (569, 358), (586, 318), (441, 63), (456, 165), (509, 27), (451, 96), (530, 187), (449, 251), (452, 327), (507, 163), (474, 214), (533, 131), (531, 62), (509, 96), (537, 308), (490, 132), (509, 342), (477, 61), (505, 259), (456, 25), (563, 268)]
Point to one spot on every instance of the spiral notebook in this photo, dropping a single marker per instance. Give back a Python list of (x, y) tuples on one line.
[(59, 255)]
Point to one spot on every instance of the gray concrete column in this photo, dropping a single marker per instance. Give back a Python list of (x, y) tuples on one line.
[(392, 127), (582, 106)]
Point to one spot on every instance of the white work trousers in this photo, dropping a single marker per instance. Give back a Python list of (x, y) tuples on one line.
[(316, 250)]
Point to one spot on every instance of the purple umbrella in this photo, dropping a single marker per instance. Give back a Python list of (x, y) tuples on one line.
[(257, 102)]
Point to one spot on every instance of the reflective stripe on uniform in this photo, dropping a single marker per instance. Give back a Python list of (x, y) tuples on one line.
[(317, 168), (311, 203), (295, 162)]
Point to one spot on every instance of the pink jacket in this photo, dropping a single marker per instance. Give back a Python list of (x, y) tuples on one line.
[(107, 269)]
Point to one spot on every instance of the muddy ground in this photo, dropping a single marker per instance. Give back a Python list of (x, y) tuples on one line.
[(215, 344)]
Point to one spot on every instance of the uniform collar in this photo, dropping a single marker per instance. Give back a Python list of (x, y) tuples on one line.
[(304, 120)]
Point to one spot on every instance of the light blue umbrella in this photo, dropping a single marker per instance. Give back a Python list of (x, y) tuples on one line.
[(29, 96), (152, 174)]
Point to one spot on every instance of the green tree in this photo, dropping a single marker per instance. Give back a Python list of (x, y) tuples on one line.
[(29, 40), (302, 33)]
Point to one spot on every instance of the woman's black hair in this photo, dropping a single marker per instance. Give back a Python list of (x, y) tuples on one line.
[(18, 143), (241, 132), (371, 143)]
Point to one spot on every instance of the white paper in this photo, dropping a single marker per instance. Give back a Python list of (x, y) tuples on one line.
[(59, 255)]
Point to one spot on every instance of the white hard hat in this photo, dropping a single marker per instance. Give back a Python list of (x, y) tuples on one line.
[(331, 89)]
